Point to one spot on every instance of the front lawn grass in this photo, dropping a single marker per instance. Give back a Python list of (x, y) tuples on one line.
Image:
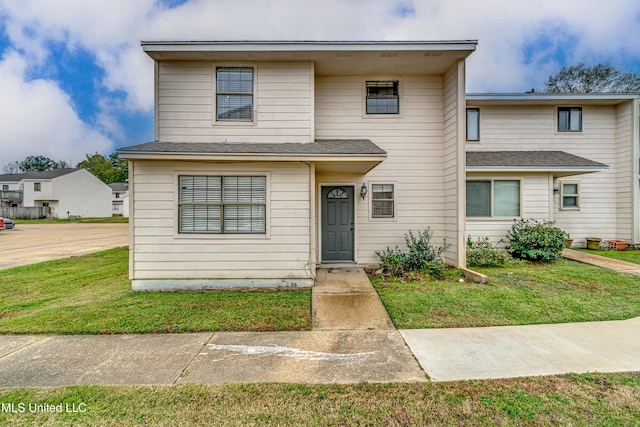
[(92, 295), (581, 400), (629, 256), (521, 294)]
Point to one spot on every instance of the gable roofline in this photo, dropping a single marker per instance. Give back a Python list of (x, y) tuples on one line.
[(55, 173)]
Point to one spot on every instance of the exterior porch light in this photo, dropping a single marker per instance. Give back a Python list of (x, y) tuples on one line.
[(363, 191)]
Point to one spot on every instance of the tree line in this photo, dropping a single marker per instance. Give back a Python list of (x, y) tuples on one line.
[(107, 169)]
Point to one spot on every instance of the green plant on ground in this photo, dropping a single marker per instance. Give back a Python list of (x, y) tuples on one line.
[(517, 294), (92, 295), (538, 241), (422, 256), (483, 253), (580, 400)]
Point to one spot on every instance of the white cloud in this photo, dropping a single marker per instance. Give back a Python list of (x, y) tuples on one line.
[(565, 32), (36, 118)]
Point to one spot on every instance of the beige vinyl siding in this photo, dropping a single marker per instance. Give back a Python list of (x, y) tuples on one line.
[(625, 178), (161, 253), (534, 193), (454, 164), (282, 103), (534, 128), (414, 144)]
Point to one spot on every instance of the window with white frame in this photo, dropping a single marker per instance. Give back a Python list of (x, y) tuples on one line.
[(222, 204), (382, 97), (382, 201), (234, 94), (570, 119), (493, 198), (570, 196), (473, 124)]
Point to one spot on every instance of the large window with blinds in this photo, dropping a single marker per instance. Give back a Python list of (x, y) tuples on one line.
[(493, 198), (222, 204), (234, 94)]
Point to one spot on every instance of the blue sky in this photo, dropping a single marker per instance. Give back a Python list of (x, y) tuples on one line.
[(74, 79)]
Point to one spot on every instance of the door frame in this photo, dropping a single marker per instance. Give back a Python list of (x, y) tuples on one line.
[(355, 220)]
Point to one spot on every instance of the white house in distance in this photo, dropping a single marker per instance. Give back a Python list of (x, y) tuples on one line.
[(120, 201), (68, 191), (273, 158), (569, 158)]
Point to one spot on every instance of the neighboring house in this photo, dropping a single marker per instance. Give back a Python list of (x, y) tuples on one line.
[(120, 201), (271, 158), (63, 192), (570, 158)]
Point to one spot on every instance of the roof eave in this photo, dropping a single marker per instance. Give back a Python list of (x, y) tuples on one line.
[(545, 169), (262, 157)]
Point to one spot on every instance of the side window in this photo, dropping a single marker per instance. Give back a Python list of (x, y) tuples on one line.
[(234, 94), (382, 201), (473, 124), (570, 196), (570, 119), (37, 186), (382, 97)]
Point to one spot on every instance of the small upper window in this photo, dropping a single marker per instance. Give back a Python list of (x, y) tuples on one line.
[(382, 97), (37, 186), (570, 196), (234, 94), (382, 200), (5, 187), (569, 119), (473, 124)]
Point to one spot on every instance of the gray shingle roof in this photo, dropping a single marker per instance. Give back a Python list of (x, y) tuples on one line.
[(334, 147), (37, 175), (119, 186), (529, 159)]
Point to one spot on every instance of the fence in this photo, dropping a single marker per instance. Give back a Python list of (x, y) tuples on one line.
[(24, 213)]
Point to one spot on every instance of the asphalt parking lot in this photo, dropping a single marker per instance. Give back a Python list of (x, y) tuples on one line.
[(31, 243)]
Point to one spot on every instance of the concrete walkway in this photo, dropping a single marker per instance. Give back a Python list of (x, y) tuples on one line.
[(344, 299), (601, 261), (516, 351)]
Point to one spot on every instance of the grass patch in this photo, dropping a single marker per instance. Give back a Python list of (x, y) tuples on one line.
[(116, 219), (520, 294), (594, 400), (92, 295), (629, 256)]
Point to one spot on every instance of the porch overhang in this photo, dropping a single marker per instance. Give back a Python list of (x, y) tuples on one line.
[(559, 163), (347, 156)]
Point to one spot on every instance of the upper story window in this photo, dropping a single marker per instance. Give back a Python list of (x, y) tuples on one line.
[(493, 198), (5, 187), (473, 124), (382, 97), (37, 186), (222, 204), (234, 94), (570, 119)]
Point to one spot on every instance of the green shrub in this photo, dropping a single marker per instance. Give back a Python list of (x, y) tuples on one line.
[(483, 253), (532, 240), (422, 256)]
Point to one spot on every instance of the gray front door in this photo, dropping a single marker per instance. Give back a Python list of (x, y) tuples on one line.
[(337, 223)]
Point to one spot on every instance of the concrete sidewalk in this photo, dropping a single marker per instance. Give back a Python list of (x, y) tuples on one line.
[(531, 350), (601, 261), (294, 357)]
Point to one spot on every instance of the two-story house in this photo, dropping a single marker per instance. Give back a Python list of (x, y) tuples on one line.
[(120, 202), (272, 158), (569, 158), (61, 192)]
